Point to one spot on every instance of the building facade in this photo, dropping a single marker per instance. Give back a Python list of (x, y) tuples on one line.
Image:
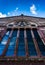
[(22, 40)]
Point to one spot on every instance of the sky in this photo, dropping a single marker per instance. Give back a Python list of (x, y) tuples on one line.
[(17, 7)]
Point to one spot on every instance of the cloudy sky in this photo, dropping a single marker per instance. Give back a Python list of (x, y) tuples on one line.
[(26, 7)]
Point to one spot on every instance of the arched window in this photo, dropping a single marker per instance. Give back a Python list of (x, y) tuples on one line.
[(33, 24)]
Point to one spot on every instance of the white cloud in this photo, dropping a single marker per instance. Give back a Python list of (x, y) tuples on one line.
[(33, 9), (13, 13), (16, 9), (2, 15), (8, 13)]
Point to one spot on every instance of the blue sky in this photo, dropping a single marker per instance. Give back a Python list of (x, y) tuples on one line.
[(26, 7)]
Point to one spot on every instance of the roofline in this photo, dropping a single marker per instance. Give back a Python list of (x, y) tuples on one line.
[(23, 16)]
